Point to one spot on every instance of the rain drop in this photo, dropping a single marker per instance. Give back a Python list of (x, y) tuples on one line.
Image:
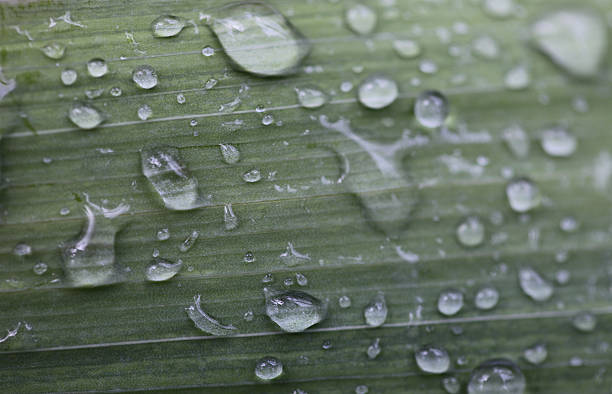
[(208, 51), (485, 47), (361, 19), (344, 302), (431, 109), (161, 270), (406, 49), (310, 96), (523, 195), (85, 116), (22, 249), (432, 359), (268, 368), (585, 321), (115, 91), (145, 77), (533, 285), (375, 313), (301, 279), (229, 218), (40, 268), (517, 78), (144, 112), (377, 91), (516, 140), (536, 354), (374, 349), (230, 153), (180, 98), (450, 302), (163, 234), (558, 142), (68, 76), (252, 176), (249, 257), (54, 50), (451, 385), (167, 26), (470, 232), (486, 298), (498, 8), (294, 310), (497, 376), (97, 67), (205, 322), (189, 241)]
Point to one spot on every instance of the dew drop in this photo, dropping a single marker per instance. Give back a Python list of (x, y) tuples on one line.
[(229, 218), (54, 50), (294, 310), (94, 93), (267, 120), (180, 98), (230, 153), (498, 8), (450, 302), (40, 268), (558, 142), (432, 359), (344, 302), (22, 249), (208, 51), (189, 241), (145, 77), (252, 176), (68, 76), (374, 349), (375, 313), (205, 322), (451, 385), (85, 116), (144, 112), (523, 195), (97, 67), (362, 389), (517, 78), (161, 270), (248, 315), (377, 91), (268, 368), (115, 91), (249, 257), (258, 39), (536, 354), (301, 279), (485, 47), (326, 345), (584, 321), (428, 67), (496, 376), (406, 49), (310, 96), (470, 232), (167, 26), (431, 109), (361, 19), (533, 285), (486, 298), (516, 140)]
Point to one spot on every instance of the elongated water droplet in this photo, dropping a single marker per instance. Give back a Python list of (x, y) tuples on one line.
[(377, 91), (54, 50), (574, 39), (230, 153), (40, 268), (517, 78), (301, 279), (292, 257), (432, 359), (144, 112), (497, 376), (164, 168), (294, 310), (361, 19), (532, 284), (375, 313), (498, 8), (374, 349), (486, 298), (22, 249), (310, 96), (450, 302), (407, 49), (585, 321), (268, 368), (252, 176), (205, 322), (470, 232), (161, 270), (97, 67), (167, 26), (344, 302), (258, 39), (145, 77), (85, 116), (431, 109), (516, 140), (523, 195), (189, 241), (451, 385), (558, 142), (536, 354), (94, 93), (68, 76), (230, 218)]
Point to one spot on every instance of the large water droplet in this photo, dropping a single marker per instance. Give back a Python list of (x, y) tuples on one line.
[(536, 354), (160, 270), (68, 76), (268, 368), (145, 77), (432, 359), (97, 67), (294, 310), (377, 91), (361, 19), (497, 376), (144, 112), (167, 26), (574, 39), (205, 322), (54, 50), (486, 298), (164, 168), (516, 140), (252, 176), (230, 153), (375, 313), (471, 232), (431, 109), (523, 195), (450, 302), (558, 142), (532, 284), (258, 39), (585, 321), (85, 116), (310, 96)]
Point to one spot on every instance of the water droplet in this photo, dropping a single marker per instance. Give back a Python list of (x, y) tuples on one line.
[(94, 93), (485, 47), (292, 257), (498, 8), (431, 109), (230, 153), (301, 279), (558, 142), (193, 123), (167, 26), (407, 49), (310, 96), (189, 241), (144, 112), (361, 389), (252, 176), (161, 270), (97, 67), (486, 298), (258, 39), (326, 345), (585, 321), (532, 284), (523, 195), (163, 234), (85, 116), (54, 50), (294, 310), (229, 218), (208, 51), (516, 140), (374, 349), (22, 249), (248, 315), (68, 76), (145, 77), (164, 168), (432, 359), (268, 278), (562, 277), (517, 78), (40, 268), (180, 98), (249, 257), (536, 354), (375, 313), (470, 232), (451, 385), (205, 322), (568, 224), (427, 66), (377, 91), (497, 376), (267, 120), (574, 39), (115, 91), (268, 368), (211, 83), (361, 19), (344, 302), (450, 302), (346, 86)]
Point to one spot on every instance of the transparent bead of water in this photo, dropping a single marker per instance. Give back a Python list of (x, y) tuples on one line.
[(85, 116), (248, 315), (451, 385), (562, 277), (568, 224), (54, 50), (229, 218), (432, 359), (497, 376), (486, 298), (536, 354), (267, 120), (167, 26), (97, 67), (144, 77), (115, 91), (230, 153), (428, 66), (268, 278), (361, 19), (310, 96), (22, 249), (499, 8), (208, 51), (470, 232), (485, 47), (294, 310), (252, 176), (377, 91), (326, 345), (258, 39), (517, 78), (94, 93), (189, 241), (180, 98), (161, 270), (523, 195), (68, 76), (249, 257), (406, 49), (375, 313), (558, 142), (516, 140), (301, 279), (144, 112), (431, 109), (534, 285), (374, 349), (163, 234), (450, 302), (362, 389), (344, 302), (584, 321)]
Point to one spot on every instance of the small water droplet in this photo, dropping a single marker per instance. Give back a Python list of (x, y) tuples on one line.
[(431, 109), (451, 385), (267, 120), (85, 116), (144, 112), (97, 67), (161, 270), (485, 47), (229, 218), (301, 279), (499, 8), (294, 310), (189, 241), (268, 278), (344, 302), (450, 302), (68, 76), (210, 83), (193, 123), (252, 176), (94, 93), (40, 268), (585, 321), (248, 315), (180, 98), (470, 232), (115, 91), (517, 78), (326, 345), (496, 376), (310, 96), (374, 349), (361, 19), (407, 49), (163, 234), (486, 298), (268, 368), (432, 359), (249, 257), (54, 50), (205, 322), (167, 26), (145, 77), (428, 66), (361, 389), (375, 313), (208, 51), (22, 249), (558, 142), (532, 284), (230, 153), (377, 91), (523, 195), (516, 140), (536, 354)]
